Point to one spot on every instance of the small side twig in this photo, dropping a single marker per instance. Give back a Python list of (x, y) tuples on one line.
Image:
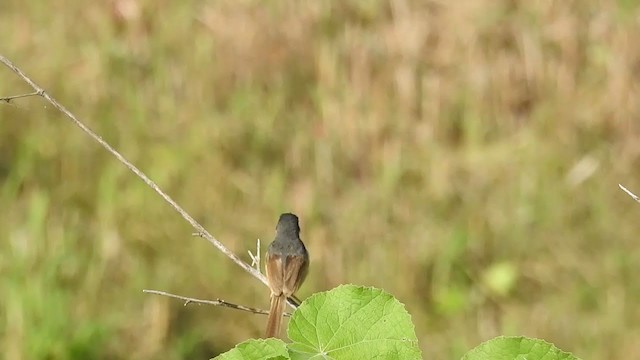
[(633, 196), (255, 259), (8, 99), (217, 302)]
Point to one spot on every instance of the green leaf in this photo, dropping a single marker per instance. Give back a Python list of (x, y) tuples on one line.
[(352, 322), (257, 349), (517, 348)]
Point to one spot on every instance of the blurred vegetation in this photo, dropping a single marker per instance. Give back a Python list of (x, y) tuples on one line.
[(463, 156)]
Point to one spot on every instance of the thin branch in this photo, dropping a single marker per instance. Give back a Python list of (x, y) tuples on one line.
[(217, 302), (633, 196), (199, 228), (8, 99), (203, 233)]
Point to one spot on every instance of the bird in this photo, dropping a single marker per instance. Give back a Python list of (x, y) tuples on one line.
[(286, 267)]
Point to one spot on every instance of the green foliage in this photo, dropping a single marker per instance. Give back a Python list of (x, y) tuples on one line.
[(517, 348), (354, 322), (346, 322), (257, 349), (351, 321)]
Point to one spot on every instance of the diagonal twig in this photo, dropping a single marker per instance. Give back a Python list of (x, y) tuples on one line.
[(633, 196), (199, 228)]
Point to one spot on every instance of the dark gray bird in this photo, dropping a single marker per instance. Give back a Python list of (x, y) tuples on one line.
[(286, 266)]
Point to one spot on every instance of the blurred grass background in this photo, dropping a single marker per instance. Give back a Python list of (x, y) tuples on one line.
[(464, 156)]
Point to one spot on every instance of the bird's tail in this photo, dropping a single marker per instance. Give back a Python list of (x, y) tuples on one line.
[(275, 316)]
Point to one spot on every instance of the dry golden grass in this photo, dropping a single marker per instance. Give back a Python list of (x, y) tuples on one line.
[(429, 147)]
